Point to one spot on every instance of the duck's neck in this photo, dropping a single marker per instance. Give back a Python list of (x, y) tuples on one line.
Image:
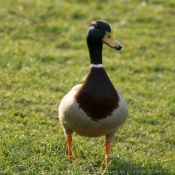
[(95, 53), (96, 65)]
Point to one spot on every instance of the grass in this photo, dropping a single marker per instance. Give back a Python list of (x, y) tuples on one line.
[(44, 53)]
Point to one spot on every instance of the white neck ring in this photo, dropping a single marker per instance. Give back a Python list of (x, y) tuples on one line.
[(97, 65)]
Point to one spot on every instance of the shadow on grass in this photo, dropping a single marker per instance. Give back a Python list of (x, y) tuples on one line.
[(123, 167)]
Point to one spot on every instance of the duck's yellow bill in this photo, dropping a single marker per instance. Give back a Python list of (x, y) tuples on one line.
[(110, 41)]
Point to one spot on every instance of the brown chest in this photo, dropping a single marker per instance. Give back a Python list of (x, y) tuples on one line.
[(97, 97)]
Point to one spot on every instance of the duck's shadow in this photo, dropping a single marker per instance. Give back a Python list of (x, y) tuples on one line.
[(123, 167)]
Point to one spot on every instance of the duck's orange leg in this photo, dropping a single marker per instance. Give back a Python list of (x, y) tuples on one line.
[(108, 148), (69, 145)]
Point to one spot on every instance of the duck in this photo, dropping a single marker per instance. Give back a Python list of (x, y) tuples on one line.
[(95, 108)]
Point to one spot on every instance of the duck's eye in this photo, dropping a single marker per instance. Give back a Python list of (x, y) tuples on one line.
[(109, 36)]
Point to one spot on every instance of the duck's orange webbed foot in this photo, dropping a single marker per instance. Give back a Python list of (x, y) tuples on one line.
[(73, 157), (69, 145)]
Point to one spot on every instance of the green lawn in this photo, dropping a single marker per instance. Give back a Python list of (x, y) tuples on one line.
[(43, 53)]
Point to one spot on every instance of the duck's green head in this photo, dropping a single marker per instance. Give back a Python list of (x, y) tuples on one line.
[(100, 32)]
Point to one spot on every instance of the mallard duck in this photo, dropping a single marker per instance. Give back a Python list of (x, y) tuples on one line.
[(94, 108)]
